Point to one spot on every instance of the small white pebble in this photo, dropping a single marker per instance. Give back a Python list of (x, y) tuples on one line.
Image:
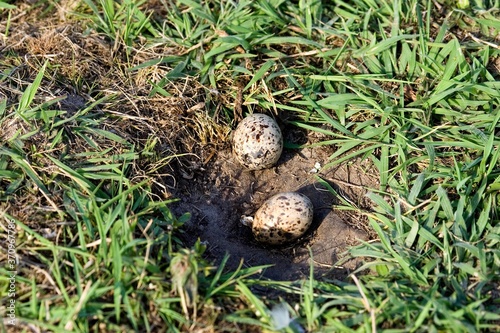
[(317, 167)]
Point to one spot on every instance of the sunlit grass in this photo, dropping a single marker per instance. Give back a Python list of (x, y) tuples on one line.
[(384, 81)]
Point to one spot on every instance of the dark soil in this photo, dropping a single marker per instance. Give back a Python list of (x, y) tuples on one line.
[(223, 192)]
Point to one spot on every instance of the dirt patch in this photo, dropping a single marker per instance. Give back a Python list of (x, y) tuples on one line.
[(222, 192)]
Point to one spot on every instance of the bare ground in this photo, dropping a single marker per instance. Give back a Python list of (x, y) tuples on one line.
[(222, 192)]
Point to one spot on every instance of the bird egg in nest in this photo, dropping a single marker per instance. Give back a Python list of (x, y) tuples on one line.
[(283, 218), (257, 142)]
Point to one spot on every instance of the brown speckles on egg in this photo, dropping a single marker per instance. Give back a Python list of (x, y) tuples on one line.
[(283, 218), (257, 142)]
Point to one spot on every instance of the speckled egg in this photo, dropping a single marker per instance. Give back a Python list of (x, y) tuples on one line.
[(257, 142), (283, 218)]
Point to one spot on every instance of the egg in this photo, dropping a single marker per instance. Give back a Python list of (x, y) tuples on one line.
[(257, 142), (282, 218)]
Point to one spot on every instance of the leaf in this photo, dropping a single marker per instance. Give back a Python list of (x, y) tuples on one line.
[(260, 73), (4, 5), (445, 203), (291, 40), (412, 235), (29, 94), (416, 188), (382, 46)]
